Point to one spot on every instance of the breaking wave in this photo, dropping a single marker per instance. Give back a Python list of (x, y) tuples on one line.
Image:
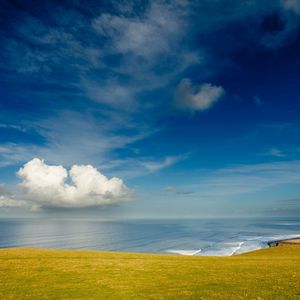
[(233, 247)]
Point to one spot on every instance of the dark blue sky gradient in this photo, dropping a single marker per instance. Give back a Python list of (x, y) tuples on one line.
[(96, 83)]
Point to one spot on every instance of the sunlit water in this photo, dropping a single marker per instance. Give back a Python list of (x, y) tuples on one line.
[(187, 237)]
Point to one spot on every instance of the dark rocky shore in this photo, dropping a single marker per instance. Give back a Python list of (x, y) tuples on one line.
[(294, 241)]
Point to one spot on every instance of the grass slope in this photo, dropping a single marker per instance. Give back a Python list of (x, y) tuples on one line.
[(65, 274)]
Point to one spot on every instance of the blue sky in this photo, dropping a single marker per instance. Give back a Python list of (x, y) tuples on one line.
[(193, 105)]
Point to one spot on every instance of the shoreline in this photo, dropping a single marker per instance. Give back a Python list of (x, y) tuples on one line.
[(294, 241), (284, 242)]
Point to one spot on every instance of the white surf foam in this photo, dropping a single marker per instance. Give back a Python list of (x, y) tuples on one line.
[(235, 247), (184, 252)]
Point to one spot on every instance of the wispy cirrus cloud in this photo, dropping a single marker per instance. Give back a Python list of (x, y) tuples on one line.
[(13, 154), (293, 5), (276, 152), (177, 191), (258, 101), (71, 138), (240, 185), (246, 179), (153, 166), (95, 63), (142, 165), (148, 36)]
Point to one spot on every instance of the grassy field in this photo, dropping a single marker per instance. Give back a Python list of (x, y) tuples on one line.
[(60, 274)]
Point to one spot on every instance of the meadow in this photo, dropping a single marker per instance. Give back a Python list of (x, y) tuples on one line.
[(26, 273)]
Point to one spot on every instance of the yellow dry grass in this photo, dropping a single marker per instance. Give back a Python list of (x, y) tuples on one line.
[(67, 274)]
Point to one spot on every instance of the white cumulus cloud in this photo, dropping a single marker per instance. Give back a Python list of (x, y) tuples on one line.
[(46, 186), (197, 98), (5, 201)]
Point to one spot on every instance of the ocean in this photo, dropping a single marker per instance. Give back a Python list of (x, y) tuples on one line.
[(221, 237)]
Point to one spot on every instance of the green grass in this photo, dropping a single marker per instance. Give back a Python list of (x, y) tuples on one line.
[(61, 274)]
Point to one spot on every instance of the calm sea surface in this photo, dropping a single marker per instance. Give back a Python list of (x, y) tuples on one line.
[(189, 237)]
